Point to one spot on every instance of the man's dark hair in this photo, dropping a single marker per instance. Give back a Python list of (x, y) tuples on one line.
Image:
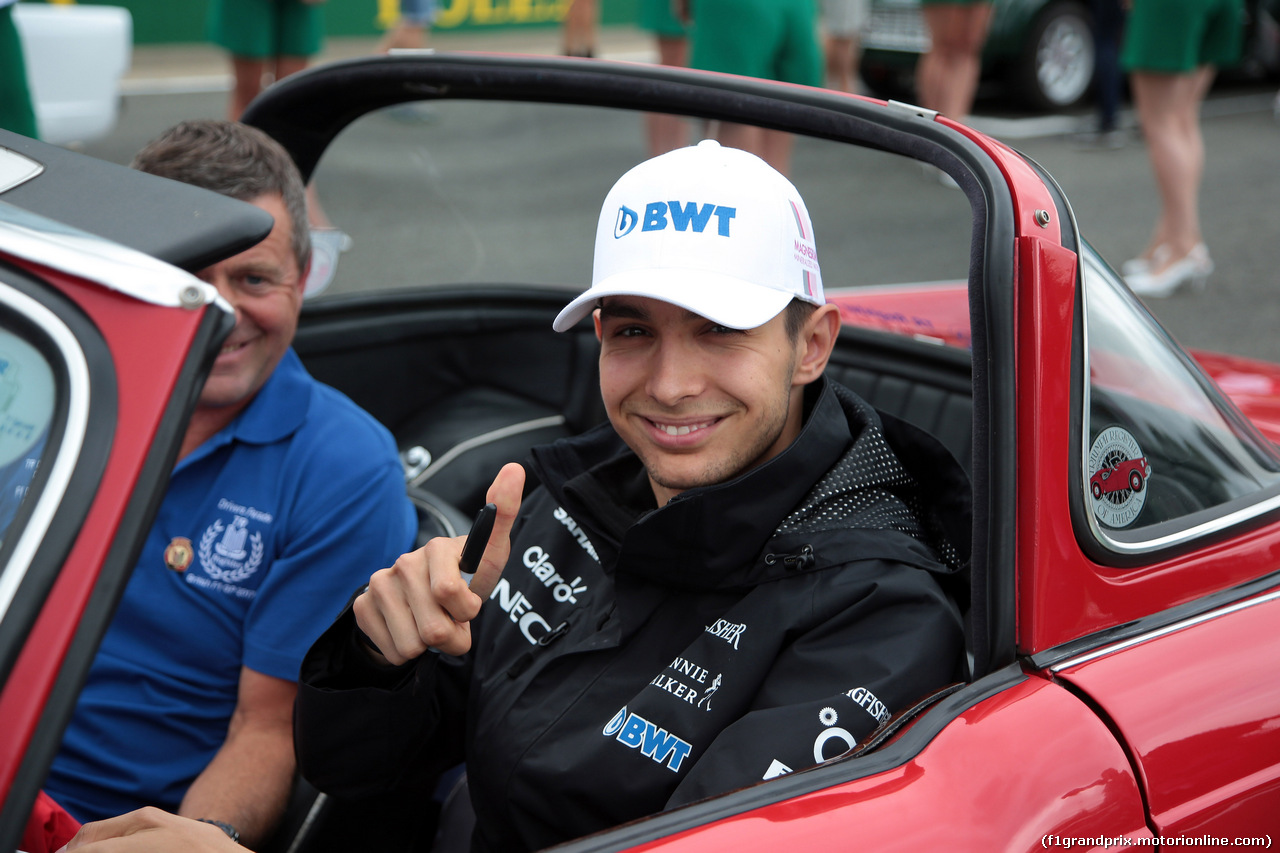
[(235, 160), (798, 313)]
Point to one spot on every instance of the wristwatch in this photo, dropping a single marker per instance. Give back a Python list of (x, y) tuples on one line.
[(231, 831)]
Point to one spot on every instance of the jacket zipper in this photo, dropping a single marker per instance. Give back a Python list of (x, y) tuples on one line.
[(797, 562)]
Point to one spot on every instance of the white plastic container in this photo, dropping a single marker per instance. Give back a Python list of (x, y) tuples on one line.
[(75, 58)]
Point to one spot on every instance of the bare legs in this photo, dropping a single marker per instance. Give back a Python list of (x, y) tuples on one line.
[(842, 62), (1169, 111), (250, 78), (772, 146), (667, 132), (947, 76), (248, 74), (405, 35), (580, 28)]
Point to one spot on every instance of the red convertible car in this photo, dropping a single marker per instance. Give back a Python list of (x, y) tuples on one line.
[(1121, 646)]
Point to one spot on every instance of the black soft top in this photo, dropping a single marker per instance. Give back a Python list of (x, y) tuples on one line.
[(183, 225)]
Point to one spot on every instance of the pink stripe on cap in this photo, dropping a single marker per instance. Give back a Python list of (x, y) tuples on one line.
[(799, 224)]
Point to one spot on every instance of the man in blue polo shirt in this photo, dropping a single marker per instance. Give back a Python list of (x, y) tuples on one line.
[(284, 495)]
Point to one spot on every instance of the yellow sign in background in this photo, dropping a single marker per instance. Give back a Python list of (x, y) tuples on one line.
[(457, 13)]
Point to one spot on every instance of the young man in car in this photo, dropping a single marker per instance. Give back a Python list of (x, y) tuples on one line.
[(736, 578), (283, 494)]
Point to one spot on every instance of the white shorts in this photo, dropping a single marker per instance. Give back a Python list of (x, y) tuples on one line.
[(845, 17)]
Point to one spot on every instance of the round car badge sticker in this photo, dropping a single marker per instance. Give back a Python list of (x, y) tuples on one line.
[(1119, 477)]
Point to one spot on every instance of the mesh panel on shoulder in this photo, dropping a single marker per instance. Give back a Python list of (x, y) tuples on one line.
[(868, 488)]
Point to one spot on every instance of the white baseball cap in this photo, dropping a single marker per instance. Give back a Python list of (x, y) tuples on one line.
[(714, 230)]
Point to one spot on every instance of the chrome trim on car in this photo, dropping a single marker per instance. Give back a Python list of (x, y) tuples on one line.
[(1209, 527), (68, 447), (481, 440), (16, 169), (46, 242), (1192, 621)]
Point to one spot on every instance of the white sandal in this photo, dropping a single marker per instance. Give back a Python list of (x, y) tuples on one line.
[(1191, 271)]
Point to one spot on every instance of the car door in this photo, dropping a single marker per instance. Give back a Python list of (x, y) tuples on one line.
[(102, 351), (1183, 559)]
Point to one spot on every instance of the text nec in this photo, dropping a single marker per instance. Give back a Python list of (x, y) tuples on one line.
[(681, 216)]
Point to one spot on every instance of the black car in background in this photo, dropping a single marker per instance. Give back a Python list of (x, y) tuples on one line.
[(1039, 52)]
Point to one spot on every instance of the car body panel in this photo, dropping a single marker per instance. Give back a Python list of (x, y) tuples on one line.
[(1254, 386), (939, 312), (1065, 595), (1207, 761), (1067, 763), (1033, 201)]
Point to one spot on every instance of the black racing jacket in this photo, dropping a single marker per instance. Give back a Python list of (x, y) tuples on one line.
[(632, 658)]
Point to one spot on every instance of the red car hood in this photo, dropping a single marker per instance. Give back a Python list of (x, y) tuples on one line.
[(1252, 385), (932, 311), (939, 312)]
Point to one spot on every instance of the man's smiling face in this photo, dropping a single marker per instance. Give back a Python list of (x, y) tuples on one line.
[(264, 286), (699, 403)]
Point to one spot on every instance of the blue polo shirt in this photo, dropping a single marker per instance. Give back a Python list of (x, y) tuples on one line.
[(265, 531)]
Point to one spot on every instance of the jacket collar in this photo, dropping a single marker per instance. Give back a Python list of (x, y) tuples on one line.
[(704, 537)]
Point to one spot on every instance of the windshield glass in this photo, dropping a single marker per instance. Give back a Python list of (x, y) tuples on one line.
[(500, 193), (1162, 447), (27, 396)]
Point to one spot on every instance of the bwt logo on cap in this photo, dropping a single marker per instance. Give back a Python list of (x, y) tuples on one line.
[(657, 215), (627, 219)]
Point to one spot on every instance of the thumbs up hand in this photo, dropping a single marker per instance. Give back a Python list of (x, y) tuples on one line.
[(423, 602)]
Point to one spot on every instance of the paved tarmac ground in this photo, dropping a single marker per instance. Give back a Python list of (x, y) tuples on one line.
[(1112, 192)]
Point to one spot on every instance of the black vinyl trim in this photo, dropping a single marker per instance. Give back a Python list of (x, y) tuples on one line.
[(350, 322), (307, 110), (118, 565), (889, 353), (995, 451), (793, 785), (181, 224), (1155, 622)]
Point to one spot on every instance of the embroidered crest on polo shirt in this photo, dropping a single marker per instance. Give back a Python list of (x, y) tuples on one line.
[(231, 549)]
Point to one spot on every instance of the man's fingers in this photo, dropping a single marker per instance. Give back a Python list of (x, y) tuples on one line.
[(407, 608), (505, 494), (151, 829), (116, 827), (422, 601)]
